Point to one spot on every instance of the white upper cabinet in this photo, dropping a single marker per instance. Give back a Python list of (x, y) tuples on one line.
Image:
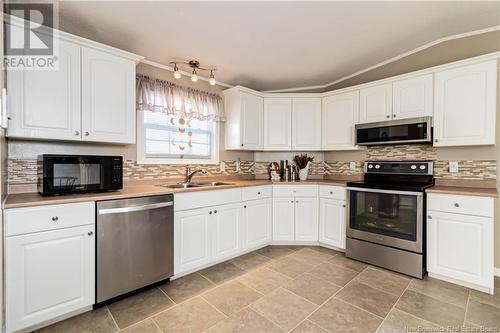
[(340, 114), (108, 97), (412, 97), (277, 123), (375, 103), (45, 104), (465, 105), (244, 120), (306, 123)]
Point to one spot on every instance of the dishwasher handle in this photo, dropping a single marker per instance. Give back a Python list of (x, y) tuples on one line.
[(106, 211)]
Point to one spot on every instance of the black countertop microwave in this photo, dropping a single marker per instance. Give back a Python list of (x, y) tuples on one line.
[(68, 174)]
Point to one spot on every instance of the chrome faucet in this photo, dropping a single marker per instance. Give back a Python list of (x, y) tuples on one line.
[(190, 174)]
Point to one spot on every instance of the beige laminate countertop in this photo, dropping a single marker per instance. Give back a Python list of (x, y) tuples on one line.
[(461, 190), (34, 199)]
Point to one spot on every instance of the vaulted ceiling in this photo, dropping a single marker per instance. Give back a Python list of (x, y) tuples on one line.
[(275, 45)]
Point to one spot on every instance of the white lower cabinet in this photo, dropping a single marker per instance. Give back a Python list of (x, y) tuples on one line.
[(192, 239), (460, 245), (284, 219), (226, 231), (50, 273), (306, 219), (257, 223), (332, 222)]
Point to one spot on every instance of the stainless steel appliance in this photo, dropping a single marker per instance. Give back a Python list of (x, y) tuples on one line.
[(386, 217), (394, 132), (135, 244), (66, 174)]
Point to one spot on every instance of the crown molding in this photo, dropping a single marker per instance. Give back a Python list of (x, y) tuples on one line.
[(388, 61)]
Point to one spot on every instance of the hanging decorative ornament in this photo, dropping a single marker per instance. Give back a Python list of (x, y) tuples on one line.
[(182, 130), (182, 121), (188, 123), (190, 133), (172, 121), (173, 142), (182, 147)]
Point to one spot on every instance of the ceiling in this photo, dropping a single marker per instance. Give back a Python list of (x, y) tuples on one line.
[(274, 45)]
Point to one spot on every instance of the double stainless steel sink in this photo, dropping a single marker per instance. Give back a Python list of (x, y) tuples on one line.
[(190, 185)]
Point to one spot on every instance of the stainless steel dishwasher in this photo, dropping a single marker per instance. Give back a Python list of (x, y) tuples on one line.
[(135, 244)]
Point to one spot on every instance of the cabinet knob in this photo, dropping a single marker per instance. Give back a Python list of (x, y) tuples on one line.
[(291, 201), (87, 133), (55, 218), (296, 201), (331, 192), (242, 145), (456, 204), (258, 193), (245, 206), (215, 211), (77, 133), (393, 116), (90, 233), (429, 217), (435, 140), (344, 205), (388, 116), (210, 212)]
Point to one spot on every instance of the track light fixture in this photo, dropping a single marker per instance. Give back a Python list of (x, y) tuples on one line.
[(195, 65)]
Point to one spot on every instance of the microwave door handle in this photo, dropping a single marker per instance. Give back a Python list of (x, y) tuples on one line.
[(358, 189)]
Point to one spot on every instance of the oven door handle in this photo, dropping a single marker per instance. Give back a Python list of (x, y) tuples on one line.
[(359, 189)]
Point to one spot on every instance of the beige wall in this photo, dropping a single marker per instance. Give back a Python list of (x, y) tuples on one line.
[(31, 149)]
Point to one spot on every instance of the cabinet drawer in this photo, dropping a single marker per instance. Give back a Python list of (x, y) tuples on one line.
[(461, 204), (332, 192), (42, 218), (295, 190), (191, 200), (256, 192)]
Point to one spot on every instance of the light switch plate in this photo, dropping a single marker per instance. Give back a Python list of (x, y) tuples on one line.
[(352, 166), (222, 166), (453, 166)]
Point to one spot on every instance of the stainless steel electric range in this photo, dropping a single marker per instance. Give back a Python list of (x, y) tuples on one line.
[(386, 215)]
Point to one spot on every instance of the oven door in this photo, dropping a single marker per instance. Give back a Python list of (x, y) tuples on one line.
[(387, 217)]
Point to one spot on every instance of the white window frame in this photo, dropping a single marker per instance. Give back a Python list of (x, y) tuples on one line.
[(141, 148)]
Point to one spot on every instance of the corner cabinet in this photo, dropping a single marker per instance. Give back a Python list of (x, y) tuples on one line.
[(108, 97), (465, 105), (49, 263), (89, 97), (244, 120), (340, 114)]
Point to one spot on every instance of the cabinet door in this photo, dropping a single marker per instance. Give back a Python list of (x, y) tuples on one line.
[(45, 104), (252, 114), (460, 247), (332, 222), (49, 274), (277, 123), (306, 219), (257, 223), (413, 97), (108, 97), (226, 231), (306, 124), (340, 114), (375, 103), (465, 105), (192, 239), (283, 219)]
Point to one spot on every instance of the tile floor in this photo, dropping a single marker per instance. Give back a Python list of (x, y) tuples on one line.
[(294, 289)]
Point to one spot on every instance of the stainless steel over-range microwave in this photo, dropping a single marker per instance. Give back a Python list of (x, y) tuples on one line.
[(65, 174), (402, 131)]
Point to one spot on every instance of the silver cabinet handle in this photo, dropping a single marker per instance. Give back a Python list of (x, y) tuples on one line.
[(134, 208), (87, 133), (77, 133), (90, 233), (456, 204), (55, 218)]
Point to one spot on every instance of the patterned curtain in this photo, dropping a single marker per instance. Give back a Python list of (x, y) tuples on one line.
[(163, 96)]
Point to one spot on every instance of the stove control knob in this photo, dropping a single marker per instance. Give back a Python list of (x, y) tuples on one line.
[(422, 167), (377, 166), (370, 166), (413, 167)]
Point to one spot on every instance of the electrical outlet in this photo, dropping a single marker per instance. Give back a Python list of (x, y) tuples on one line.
[(222, 166), (352, 166), (453, 167)]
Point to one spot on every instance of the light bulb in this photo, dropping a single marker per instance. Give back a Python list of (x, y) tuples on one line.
[(211, 80), (177, 74), (194, 77)]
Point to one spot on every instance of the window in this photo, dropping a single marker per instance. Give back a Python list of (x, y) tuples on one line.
[(167, 138)]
